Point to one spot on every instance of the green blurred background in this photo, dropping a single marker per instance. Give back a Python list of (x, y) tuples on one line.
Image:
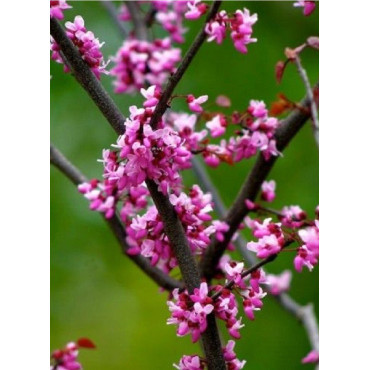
[(95, 291)]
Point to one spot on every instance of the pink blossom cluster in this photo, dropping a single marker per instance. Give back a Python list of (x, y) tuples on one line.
[(240, 24), (146, 233), (270, 237), (194, 362), (66, 359), (189, 311), (308, 253), (256, 134), (87, 45), (293, 216), (57, 7), (138, 63), (308, 6), (170, 15)]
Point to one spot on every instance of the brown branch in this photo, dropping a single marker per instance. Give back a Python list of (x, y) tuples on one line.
[(315, 120), (87, 79), (176, 77), (140, 30), (249, 190), (68, 169)]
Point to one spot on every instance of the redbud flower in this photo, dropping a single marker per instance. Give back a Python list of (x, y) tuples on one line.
[(268, 190), (308, 6), (312, 357), (252, 301), (194, 103), (190, 363), (279, 283), (266, 246), (196, 9), (241, 27), (57, 7), (217, 125)]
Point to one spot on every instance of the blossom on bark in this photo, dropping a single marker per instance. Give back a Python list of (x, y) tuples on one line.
[(268, 190), (87, 44)]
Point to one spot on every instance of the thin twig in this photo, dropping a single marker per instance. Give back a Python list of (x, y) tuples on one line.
[(87, 79), (249, 190), (68, 169), (314, 115), (140, 30), (176, 77), (112, 11)]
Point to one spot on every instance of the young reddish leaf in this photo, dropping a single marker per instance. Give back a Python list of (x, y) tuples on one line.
[(86, 343), (223, 101), (279, 70), (280, 106)]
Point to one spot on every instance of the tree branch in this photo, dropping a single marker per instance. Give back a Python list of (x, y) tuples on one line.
[(249, 190), (68, 169), (87, 79), (176, 77), (112, 11), (315, 120), (140, 30)]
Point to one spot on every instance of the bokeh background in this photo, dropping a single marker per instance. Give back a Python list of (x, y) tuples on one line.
[(98, 293)]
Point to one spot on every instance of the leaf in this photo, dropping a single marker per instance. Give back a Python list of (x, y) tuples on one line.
[(279, 70), (86, 343)]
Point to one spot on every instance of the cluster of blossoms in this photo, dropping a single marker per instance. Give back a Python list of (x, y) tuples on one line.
[(66, 358), (138, 63), (194, 362), (57, 7), (256, 133), (189, 311), (143, 153), (240, 24), (170, 15), (146, 233), (87, 44)]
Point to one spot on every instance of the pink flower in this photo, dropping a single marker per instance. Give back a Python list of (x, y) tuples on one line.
[(196, 9), (190, 363), (233, 272), (194, 103), (312, 357), (252, 301), (308, 253), (308, 6), (57, 7), (266, 246), (293, 216), (217, 125), (216, 29), (152, 95), (230, 357), (279, 283), (257, 109), (241, 27), (268, 190), (138, 63)]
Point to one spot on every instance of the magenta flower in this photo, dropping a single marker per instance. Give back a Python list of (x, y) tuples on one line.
[(190, 363), (308, 6), (196, 9), (217, 125), (266, 246), (252, 301), (195, 103), (57, 7), (268, 190), (279, 283), (216, 29), (293, 216)]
